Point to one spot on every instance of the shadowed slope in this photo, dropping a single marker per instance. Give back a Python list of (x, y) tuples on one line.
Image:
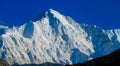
[(112, 59)]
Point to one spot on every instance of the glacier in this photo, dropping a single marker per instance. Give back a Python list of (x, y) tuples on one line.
[(53, 37)]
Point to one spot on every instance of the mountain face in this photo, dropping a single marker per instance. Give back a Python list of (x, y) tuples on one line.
[(55, 38)]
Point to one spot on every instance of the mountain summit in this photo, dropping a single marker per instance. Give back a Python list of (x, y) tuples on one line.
[(53, 37)]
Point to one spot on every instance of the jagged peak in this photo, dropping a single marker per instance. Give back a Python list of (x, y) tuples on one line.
[(52, 14), (48, 13), (52, 11)]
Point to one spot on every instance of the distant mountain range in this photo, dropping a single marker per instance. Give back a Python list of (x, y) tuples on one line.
[(55, 38)]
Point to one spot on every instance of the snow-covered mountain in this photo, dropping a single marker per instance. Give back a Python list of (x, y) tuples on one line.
[(53, 37)]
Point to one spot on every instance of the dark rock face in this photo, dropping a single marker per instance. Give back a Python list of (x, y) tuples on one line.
[(3, 63), (112, 59)]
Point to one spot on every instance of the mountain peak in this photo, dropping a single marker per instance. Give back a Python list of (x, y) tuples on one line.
[(51, 9), (53, 16), (53, 12), (48, 13)]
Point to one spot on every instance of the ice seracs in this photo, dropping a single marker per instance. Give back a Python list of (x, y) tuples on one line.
[(53, 37)]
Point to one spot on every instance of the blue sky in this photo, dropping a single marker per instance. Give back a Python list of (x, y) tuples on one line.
[(104, 13)]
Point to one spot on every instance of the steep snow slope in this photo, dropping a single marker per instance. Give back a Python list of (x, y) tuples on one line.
[(55, 38)]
